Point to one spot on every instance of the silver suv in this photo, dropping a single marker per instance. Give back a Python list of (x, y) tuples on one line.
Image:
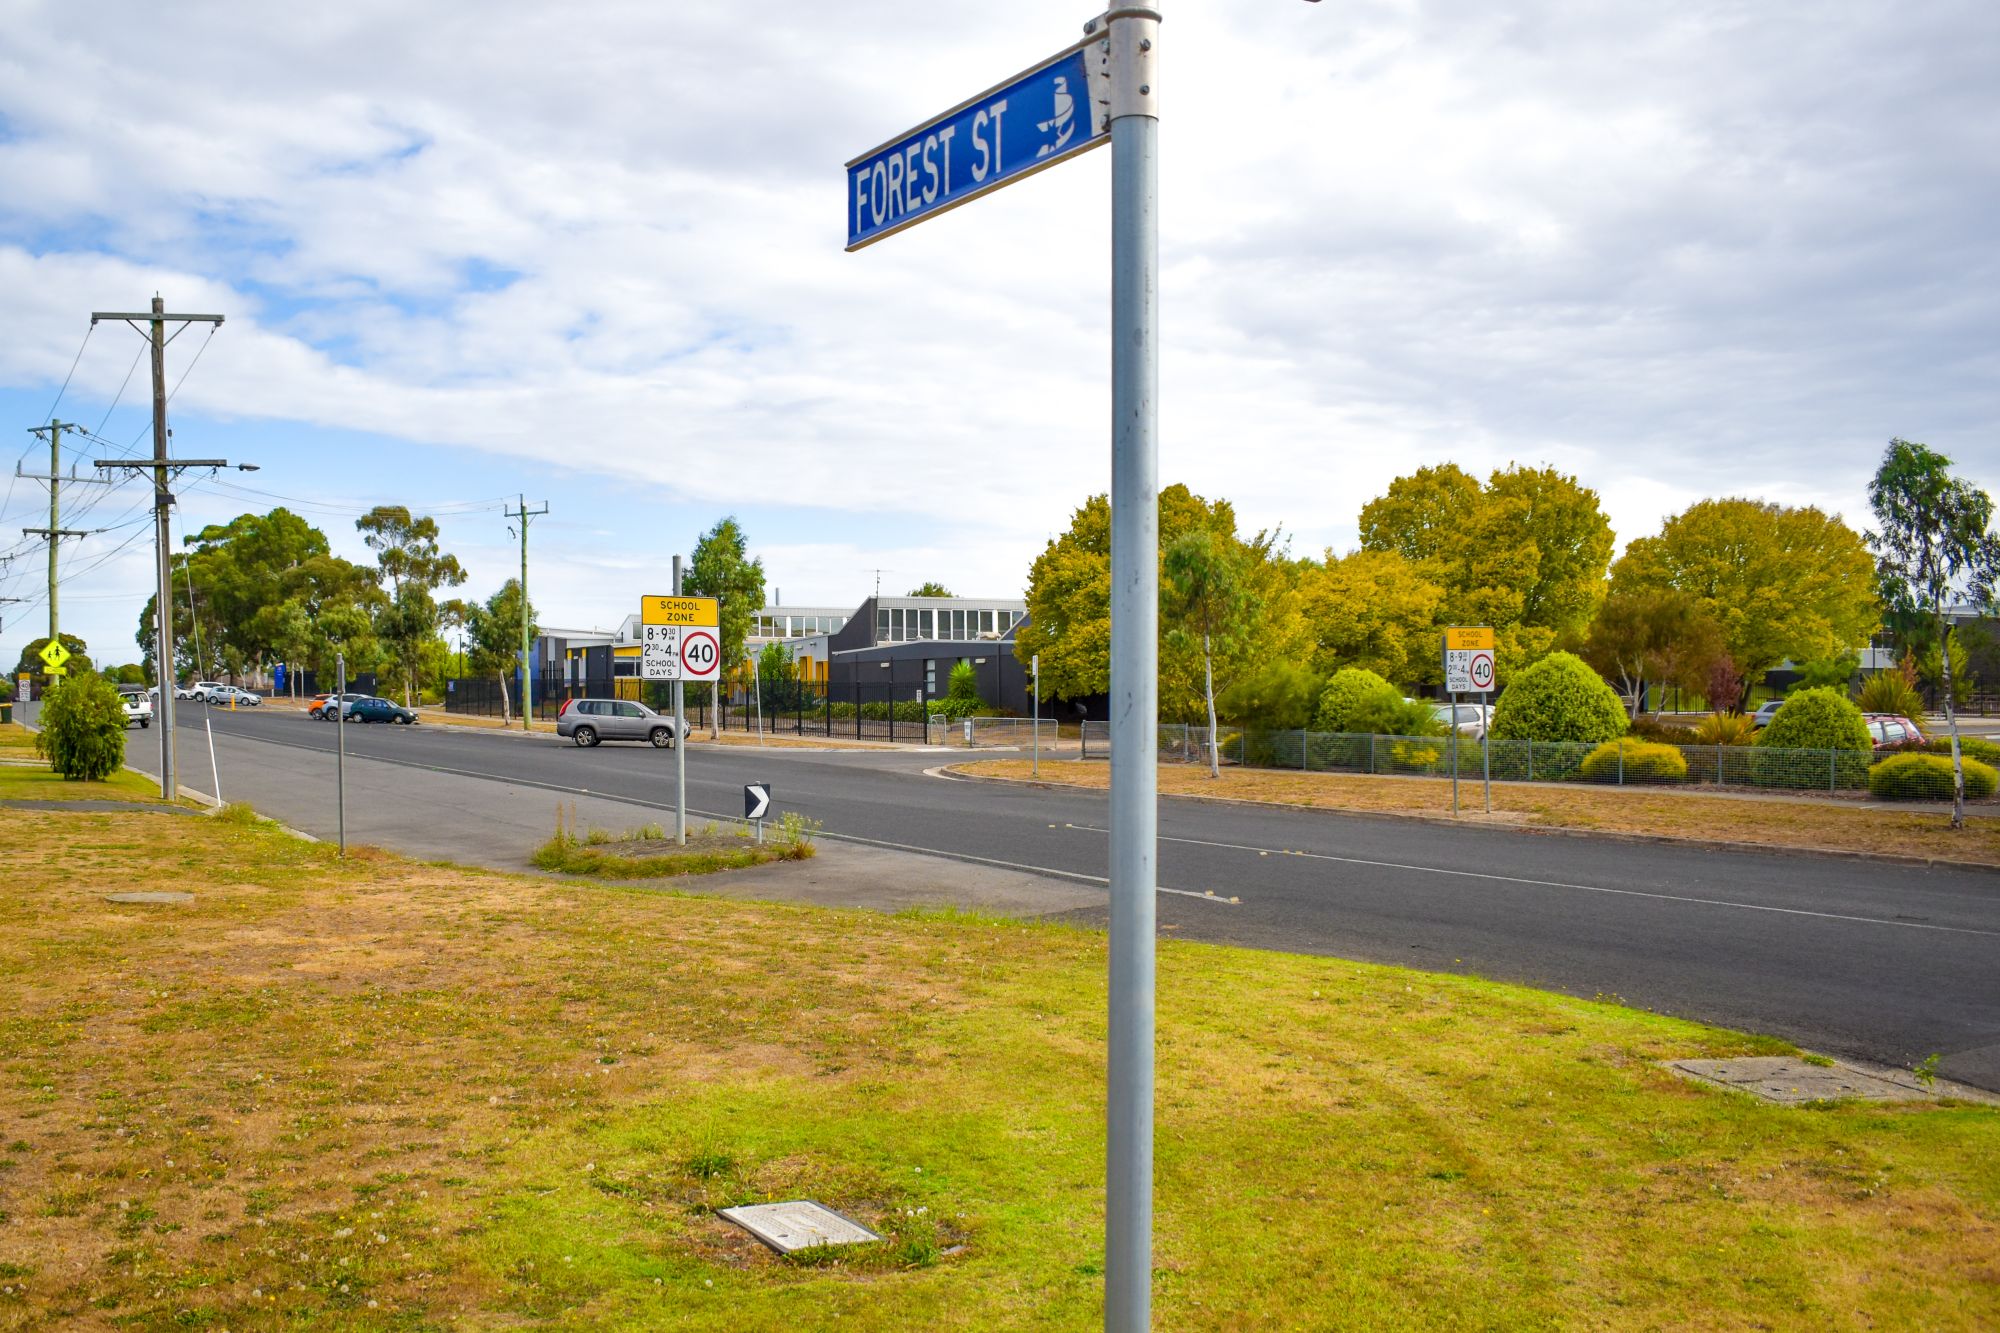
[(593, 721)]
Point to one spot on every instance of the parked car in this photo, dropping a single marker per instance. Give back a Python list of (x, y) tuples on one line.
[(594, 721), (228, 696), (1891, 731), (318, 709), (138, 705), (1470, 719), (198, 691), (370, 708), (1766, 711)]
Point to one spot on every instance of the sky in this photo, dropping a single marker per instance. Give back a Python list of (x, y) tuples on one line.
[(593, 256)]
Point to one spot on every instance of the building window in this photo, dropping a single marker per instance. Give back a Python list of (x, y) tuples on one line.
[(1006, 621), (985, 622), (839, 624), (881, 623), (930, 676), (958, 624), (924, 620)]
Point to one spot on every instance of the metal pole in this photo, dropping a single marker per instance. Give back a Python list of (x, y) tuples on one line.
[(527, 667), (1037, 723), (1454, 754), (680, 741), (1130, 43), (340, 755), (163, 645), (1486, 749)]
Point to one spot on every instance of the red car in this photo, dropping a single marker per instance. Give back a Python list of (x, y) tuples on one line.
[(1892, 731)]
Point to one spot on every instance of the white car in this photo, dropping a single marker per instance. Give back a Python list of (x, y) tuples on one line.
[(1470, 719), (138, 705), (197, 691), (228, 696)]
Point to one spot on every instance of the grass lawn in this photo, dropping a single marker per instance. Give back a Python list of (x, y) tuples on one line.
[(382, 1094), (1701, 815), (652, 853), (36, 781)]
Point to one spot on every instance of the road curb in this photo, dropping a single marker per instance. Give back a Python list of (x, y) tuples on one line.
[(950, 773)]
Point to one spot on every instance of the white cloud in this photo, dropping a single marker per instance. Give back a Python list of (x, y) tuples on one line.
[(1706, 249)]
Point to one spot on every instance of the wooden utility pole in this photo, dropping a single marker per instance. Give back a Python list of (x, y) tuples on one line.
[(527, 667), (55, 531), (155, 321)]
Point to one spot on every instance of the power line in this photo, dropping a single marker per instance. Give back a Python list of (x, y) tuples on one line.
[(120, 394), (50, 414)]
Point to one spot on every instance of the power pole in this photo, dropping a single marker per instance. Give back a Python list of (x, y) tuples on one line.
[(527, 668), (55, 531), (155, 321)]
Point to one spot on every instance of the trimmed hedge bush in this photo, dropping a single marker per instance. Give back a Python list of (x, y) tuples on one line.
[(83, 728), (1817, 719), (1972, 747), (1927, 777), (1644, 761), (1359, 701), (1559, 699)]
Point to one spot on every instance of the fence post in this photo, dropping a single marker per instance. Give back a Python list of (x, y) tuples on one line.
[(1531, 760), (1832, 770), (1621, 760), (1719, 779), (1302, 749), (1371, 754)]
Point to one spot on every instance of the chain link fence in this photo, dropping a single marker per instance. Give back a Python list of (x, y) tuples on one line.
[(1628, 763)]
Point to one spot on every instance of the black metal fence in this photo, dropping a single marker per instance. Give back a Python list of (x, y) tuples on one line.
[(851, 711)]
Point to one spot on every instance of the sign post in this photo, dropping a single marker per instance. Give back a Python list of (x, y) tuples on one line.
[(757, 804), (1035, 732), (340, 757), (1468, 669), (680, 640), (1101, 89)]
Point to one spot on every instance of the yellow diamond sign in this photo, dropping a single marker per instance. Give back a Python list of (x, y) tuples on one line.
[(54, 656)]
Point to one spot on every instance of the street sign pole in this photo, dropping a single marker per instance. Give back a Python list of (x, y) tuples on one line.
[(1130, 41), (1454, 754), (680, 742), (340, 756), (1036, 733)]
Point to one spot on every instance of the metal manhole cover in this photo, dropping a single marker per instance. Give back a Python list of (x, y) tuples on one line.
[(149, 897), (797, 1225)]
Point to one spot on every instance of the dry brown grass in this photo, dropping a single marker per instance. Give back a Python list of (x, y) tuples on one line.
[(1700, 816)]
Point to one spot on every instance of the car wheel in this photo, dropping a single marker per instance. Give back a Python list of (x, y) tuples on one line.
[(145, 723), (662, 738), (585, 737)]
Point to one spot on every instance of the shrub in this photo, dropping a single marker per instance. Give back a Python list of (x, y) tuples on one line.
[(1927, 777), (1817, 719), (1279, 697), (83, 728), (1347, 693), (1972, 747), (1890, 692), (1559, 699), (1644, 761), (1725, 729), (1667, 733)]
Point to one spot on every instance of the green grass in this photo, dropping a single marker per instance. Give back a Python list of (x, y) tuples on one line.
[(479, 1100), (648, 852)]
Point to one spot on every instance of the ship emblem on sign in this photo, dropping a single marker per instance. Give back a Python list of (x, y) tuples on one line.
[(1482, 671)]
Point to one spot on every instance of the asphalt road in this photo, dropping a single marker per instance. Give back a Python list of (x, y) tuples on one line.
[(1865, 959)]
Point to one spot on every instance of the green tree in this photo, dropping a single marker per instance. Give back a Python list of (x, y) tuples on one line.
[(721, 568), (778, 681), (1372, 609), (409, 556), (83, 728), (1203, 600), (931, 588), (1779, 582), (1933, 545), (1069, 601), (31, 658), (1834, 671), (1526, 553), (493, 628), (1652, 634)]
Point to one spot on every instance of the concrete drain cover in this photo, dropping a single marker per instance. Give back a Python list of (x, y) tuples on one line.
[(1782, 1078), (149, 897), (798, 1225)]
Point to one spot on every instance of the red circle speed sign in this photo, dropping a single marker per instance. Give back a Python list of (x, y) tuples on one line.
[(1482, 671), (700, 653)]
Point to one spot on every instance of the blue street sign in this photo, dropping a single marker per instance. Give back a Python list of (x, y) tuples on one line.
[(1005, 134), (278, 677)]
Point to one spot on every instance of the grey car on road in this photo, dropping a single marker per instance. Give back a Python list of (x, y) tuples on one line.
[(594, 721)]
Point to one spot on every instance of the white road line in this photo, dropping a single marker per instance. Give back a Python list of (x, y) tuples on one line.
[(1560, 884)]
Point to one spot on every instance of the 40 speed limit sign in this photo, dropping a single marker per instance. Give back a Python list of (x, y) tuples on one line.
[(1468, 660), (680, 638)]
